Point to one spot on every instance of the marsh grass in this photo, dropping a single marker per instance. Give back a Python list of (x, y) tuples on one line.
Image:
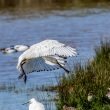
[(93, 77), (51, 4)]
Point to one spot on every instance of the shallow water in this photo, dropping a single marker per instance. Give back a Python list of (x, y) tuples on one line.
[(82, 28)]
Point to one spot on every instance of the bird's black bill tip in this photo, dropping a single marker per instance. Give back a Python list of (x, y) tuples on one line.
[(25, 103)]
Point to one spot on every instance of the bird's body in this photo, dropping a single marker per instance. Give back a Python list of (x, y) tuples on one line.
[(14, 48), (35, 105), (20, 48), (47, 55), (8, 50)]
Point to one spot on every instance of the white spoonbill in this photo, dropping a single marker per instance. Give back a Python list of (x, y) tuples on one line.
[(35, 105), (47, 55)]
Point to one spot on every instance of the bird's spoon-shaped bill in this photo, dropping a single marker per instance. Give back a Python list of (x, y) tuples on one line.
[(26, 103)]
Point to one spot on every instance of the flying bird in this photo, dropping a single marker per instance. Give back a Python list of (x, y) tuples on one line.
[(47, 55), (35, 105)]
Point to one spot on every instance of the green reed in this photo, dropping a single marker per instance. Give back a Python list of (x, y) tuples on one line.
[(93, 77), (51, 4)]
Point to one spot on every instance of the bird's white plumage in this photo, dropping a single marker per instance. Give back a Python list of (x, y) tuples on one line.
[(21, 47), (14, 48), (8, 50), (52, 47), (35, 105), (45, 56), (38, 64)]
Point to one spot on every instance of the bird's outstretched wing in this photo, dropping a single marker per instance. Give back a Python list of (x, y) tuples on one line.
[(38, 65), (43, 64), (53, 47), (50, 47)]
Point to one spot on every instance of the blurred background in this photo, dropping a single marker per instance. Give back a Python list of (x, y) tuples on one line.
[(81, 24)]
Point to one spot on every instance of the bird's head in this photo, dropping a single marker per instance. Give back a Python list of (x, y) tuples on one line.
[(30, 101), (2, 49), (20, 66)]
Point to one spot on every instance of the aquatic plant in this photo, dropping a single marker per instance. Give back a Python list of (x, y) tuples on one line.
[(51, 4), (93, 77)]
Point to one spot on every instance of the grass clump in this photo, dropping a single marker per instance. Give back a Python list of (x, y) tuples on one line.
[(93, 77)]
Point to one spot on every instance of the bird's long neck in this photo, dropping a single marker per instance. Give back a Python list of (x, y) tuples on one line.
[(23, 74)]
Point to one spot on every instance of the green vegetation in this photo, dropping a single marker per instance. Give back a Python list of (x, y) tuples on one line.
[(52, 4), (93, 77)]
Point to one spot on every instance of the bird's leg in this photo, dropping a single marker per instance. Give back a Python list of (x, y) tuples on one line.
[(24, 75)]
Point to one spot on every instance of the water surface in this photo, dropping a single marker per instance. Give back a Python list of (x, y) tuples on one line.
[(82, 28)]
